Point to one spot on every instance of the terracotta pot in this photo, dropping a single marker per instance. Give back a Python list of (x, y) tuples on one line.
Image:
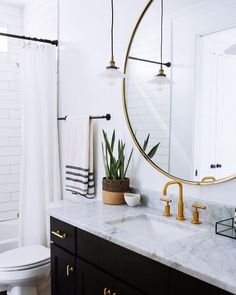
[(113, 191)]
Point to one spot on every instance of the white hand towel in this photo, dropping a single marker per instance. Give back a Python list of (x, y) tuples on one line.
[(79, 162)]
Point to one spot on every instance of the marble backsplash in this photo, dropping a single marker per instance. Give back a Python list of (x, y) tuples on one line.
[(214, 212)]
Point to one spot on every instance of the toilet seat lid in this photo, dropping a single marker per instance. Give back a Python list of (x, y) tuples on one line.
[(24, 256)]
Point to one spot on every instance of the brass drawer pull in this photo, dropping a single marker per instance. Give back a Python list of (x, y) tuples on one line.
[(58, 234), (69, 269), (108, 292)]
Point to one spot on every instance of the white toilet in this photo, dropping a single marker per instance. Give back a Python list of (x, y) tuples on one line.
[(25, 271)]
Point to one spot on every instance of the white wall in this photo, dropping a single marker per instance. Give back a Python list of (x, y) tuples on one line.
[(40, 19), (10, 129), (84, 53)]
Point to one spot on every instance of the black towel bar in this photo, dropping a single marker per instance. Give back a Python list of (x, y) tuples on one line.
[(107, 117)]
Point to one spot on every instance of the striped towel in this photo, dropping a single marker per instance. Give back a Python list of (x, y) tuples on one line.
[(79, 162), (235, 219)]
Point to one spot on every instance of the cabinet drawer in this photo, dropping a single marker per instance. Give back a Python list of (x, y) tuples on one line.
[(92, 280), (63, 234), (132, 268)]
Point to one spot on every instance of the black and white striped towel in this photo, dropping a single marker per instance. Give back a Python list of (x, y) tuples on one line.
[(79, 162), (235, 219)]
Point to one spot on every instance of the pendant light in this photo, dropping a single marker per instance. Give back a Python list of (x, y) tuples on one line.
[(160, 79), (112, 72)]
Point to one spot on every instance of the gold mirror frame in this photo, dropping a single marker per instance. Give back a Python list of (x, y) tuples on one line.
[(131, 130)]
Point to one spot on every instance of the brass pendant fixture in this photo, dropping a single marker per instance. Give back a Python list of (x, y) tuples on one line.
[(112, 72)]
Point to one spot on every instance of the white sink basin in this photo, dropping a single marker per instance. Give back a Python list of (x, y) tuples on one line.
[(152, 228)]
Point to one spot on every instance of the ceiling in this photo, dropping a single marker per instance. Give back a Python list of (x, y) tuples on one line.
[(15, 2)]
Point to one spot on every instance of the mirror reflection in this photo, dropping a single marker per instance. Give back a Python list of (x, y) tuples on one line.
[(187, 127)]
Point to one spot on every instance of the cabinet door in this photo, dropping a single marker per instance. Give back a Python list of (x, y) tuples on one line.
[(93, 281), (62, 272), (123, 289)]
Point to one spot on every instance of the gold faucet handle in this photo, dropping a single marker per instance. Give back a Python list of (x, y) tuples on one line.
[(196, 206), (167, 206)]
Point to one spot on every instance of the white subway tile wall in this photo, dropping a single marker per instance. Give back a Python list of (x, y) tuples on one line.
[(149, 113), (148, 108), (3, 40), (10, 115)]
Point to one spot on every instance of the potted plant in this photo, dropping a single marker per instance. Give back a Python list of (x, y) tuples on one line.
[(115, 183)]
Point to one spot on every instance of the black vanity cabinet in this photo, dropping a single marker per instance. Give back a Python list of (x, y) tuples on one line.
[(85, 264), (129, 273), (124, 289), (91, 281), (190, 285)]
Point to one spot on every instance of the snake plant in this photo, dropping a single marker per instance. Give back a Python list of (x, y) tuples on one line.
[(115, 166), (153, 150)]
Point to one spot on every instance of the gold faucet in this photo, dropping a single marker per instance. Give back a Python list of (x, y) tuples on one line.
[(180, 215)]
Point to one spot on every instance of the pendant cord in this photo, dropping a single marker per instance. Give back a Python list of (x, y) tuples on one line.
[(112, 30), (161, 32)]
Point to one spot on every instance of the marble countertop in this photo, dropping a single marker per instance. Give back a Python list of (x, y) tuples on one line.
[(206, 256)]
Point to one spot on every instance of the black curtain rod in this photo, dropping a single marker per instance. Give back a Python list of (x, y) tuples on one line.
[(107, 117), (53, 42), (167, 64)]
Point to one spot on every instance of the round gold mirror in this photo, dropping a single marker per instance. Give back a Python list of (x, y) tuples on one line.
[(185, 127)]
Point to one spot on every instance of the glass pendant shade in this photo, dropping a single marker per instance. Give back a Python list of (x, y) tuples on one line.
[(231, 50), (112, 74), (161, 81)]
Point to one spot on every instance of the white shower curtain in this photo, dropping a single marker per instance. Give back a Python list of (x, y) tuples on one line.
[(40, 180)]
